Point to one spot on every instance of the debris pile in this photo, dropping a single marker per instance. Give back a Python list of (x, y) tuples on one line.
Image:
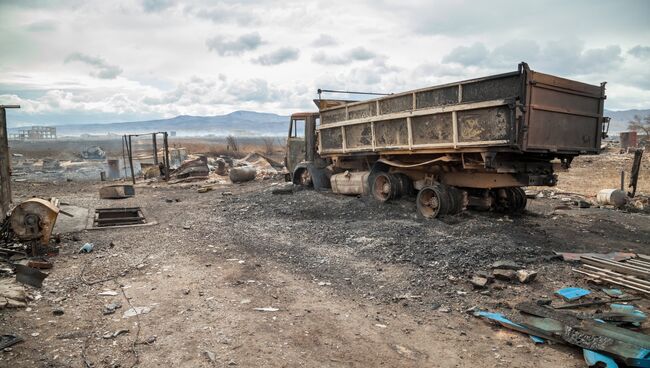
[(601, 334)]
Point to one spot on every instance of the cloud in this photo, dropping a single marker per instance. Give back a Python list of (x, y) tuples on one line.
[(641, 52), (243, 43), (352, 55), (279, 56), (155, 6), (563, 57), (102, 69), (42, 26), (225, 13), (468, 55), (324, 40)]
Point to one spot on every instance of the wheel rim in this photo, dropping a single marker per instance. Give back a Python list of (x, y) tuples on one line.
[(382, 188), (428, 203)]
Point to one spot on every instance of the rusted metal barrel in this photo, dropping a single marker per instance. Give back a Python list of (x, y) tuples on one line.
[(612, 197), (242, 174)]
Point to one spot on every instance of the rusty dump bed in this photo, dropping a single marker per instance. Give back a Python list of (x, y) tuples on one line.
[(521, 111)]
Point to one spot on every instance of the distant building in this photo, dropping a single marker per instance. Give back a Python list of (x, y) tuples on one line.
[(35, 133)]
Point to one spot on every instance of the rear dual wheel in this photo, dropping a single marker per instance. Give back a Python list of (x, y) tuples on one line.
[(385, 186), (439, 200)]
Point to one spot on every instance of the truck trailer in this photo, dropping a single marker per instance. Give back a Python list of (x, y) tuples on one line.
[(468, 144)]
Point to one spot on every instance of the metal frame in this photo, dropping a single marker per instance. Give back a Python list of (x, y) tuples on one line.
[(127, 152)]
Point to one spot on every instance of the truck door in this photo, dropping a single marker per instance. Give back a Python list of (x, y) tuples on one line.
[(296, 147)]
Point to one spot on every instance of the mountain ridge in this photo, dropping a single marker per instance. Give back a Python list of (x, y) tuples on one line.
[(244, 123)]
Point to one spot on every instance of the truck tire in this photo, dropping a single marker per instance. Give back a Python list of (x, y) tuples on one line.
[(433, 201), (386, 186)]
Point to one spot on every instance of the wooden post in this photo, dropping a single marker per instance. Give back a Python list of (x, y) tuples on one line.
[(5, 178), (130, 149), (124, 155), (5, 162), (155, 148), (166, 147)]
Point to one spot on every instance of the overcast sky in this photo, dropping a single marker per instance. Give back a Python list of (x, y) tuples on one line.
[(71, 61)]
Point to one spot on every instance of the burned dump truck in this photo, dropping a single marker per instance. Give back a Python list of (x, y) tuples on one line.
[(469, 144)]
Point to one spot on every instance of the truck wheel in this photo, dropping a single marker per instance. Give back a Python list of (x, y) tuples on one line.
[(455, 200), (432, 201), (302, 177), (384, 187), (520, 199)]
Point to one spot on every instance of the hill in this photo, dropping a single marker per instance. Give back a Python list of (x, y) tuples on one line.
[(239, 123)]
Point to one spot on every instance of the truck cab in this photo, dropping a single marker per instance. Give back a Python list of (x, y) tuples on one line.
[(304, 165)]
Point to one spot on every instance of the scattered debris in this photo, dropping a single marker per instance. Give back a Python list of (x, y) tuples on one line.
[(58, 311), (30, 276), (572, 293), (504, 274), (212, 357), (506, 265), (196, 169), (107, 293), (117, 191), (479, 282), (39, 263), (266, 309), (526, 276), (12, 295), (86, 248), (9, 340), (131, 312), (110, 308)]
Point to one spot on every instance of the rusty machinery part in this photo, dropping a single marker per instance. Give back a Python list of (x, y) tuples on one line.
[(386, 186), (34, 219)]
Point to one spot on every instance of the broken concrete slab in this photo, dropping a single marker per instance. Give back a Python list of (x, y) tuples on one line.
[(479, 282)]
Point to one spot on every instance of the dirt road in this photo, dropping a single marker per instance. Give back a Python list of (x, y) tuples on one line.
[(355, 283)]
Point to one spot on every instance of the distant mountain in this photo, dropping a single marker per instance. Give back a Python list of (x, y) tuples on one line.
[(245, 123), (239, 123), (620, 119)]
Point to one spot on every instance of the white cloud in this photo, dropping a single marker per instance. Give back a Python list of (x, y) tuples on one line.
[(241, 44), (279, 56), (101, 68)]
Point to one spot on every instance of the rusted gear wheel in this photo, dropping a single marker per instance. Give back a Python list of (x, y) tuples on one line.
[(383, 187), (432, 201)]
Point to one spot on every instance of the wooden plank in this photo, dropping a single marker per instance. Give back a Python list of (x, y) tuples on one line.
[(643, 256), (616, 266), (611, 273), (612, 281)]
